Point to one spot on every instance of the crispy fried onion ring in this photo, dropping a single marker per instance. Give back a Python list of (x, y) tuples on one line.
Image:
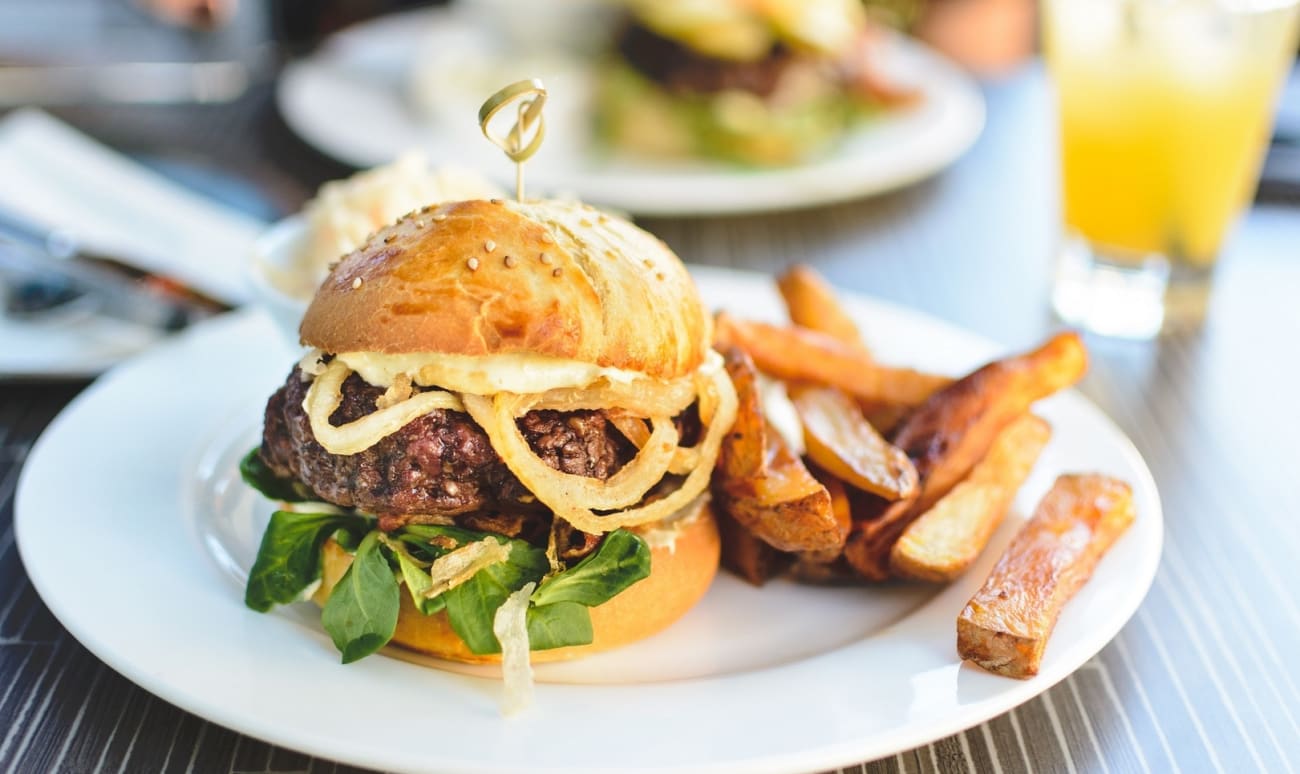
[(497, 418), (642, 398), (325, 394), (573, 498)]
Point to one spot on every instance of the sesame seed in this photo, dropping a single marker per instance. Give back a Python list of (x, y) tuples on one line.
[(649, 264), (602, 219), (585, 223), (389, 239), (439, 216), (544, 258), (556, 272), (419, 224), (495, 201), (547, 238), (472, 263), (489, 245), (509, 261), (356, 283), (426, 208), (659, 276)]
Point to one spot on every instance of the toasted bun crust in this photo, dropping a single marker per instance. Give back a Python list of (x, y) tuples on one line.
[(678, 579), (558, 279)]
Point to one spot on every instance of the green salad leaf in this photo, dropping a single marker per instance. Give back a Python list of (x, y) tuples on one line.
[(417, 582), (289, 559), (558, 625), (622, 559), (257, 475), (361, 613), (472, 605)]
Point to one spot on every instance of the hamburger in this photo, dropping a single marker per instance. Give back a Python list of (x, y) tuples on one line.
[(500, 441), (758, 83)]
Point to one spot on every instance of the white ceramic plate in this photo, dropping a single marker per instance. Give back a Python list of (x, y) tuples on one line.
[(147, 574), (415, 80), (69, 344)]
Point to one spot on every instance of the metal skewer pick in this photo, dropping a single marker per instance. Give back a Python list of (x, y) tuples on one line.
[(530, 95)]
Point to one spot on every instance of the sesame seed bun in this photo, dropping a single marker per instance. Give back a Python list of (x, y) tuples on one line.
[(556, 279), (680, 574)]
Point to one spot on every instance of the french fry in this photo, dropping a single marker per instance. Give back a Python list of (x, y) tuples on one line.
[(811, 304), (952, 431), (763, 485), (745, 446), (840, 509), (746, 555), (840, 440), (1006, 625), (885, 417), (795, 354), (943, 542)]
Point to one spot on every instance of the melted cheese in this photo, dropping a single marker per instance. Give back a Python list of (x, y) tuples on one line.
[(482, 374)]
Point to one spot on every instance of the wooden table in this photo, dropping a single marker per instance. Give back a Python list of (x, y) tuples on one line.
[(1205, 676)]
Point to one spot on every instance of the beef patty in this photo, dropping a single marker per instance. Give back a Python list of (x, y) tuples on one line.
[(437, 466), (680, 69)]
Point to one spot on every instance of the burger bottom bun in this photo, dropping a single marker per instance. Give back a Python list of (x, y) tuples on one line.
[(680, 573)]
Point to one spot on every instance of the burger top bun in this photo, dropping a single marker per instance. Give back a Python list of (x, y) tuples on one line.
[(550, 278)]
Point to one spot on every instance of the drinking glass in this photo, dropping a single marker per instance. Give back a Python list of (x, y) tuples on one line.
[(1165, 110)]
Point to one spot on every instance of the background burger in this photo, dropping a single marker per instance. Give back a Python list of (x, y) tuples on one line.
[(502, 439), (766, 82)]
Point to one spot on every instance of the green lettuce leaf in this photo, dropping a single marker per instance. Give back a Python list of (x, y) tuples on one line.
[(558, 625), (257, 475), (289, 558), (472, 605), (361, 614), (622, 559)]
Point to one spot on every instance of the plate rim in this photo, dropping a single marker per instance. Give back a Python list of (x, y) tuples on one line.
[(845, 752)]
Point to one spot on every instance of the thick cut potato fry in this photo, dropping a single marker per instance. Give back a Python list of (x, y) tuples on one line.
[(952, 431), (811, 304), (840, 440), (785, 506), (765, 486), (746, 555), (885, 417), (840, 509), (943, 542), (796, 354), (745, 446), (1005, 627)]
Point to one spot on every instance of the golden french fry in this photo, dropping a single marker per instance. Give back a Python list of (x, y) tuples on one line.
[(885, 417), (795, 354), (952, 431), (763, 485), (840, 509), (1006, 625), (811, 304), (745, 446), (840, 440), (785, 506), (746, 555), (943, 542)]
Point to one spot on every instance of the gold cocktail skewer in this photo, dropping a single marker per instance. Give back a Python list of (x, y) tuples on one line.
[(530, 95)]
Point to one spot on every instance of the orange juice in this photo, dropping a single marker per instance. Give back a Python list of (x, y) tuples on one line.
[(1165, 111)]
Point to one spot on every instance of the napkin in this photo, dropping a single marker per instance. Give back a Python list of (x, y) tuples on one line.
[(56, 177)]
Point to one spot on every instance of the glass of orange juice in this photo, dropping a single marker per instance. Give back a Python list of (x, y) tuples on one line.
[(1165, 110)]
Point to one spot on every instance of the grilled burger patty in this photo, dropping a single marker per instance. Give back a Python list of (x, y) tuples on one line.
[(682, 70), (439, 465)]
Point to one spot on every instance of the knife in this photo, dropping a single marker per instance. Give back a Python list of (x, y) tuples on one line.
[(54, 257)]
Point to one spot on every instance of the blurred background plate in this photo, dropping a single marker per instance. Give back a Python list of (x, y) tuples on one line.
[(363, 97)]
